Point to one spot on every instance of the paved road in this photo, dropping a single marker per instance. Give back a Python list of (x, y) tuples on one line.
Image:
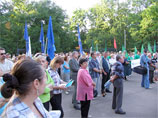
[(138, 102)]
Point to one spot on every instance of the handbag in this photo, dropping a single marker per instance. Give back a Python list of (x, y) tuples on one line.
[(140, 70)]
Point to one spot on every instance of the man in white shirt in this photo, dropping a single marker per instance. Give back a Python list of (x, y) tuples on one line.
[(5, 64)]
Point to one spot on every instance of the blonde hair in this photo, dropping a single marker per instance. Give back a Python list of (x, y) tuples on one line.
[(37, 59), (56, 60)]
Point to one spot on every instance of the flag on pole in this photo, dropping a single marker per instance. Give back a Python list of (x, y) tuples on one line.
[(126, 54), (96, 47), (135, 50), (79, 40), (42, 38), (105, 46), (50, 43), (142, 49), (154, 46), (149, 48), (123, 48), (115, 45), (29, 53), (27, 39)]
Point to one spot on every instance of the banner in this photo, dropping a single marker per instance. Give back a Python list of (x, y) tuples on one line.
[(135, 63)]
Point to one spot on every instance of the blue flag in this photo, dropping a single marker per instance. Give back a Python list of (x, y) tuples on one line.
[(50, 36), (79, 41), (42, 38), (26, 37)]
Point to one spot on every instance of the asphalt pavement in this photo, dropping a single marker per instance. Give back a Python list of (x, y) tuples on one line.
[(138, 102)]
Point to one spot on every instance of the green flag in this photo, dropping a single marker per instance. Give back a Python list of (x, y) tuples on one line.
[(105, 47), (97, 47), (149, 48), (154, 46), (142, 49), (123, 48), (126, 55), (135, 50)]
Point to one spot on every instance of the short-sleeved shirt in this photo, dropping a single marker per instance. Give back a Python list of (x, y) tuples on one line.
[(118, 69), (65, 70), (6, 66), (93, 64), (56, 78), (18, 109)]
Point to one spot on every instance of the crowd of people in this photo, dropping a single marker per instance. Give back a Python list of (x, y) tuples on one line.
[(29, 85)]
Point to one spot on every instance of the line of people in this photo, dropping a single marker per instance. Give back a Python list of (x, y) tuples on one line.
[(27, 79)]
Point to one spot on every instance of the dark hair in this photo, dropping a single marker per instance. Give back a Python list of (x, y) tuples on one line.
[(2, 48), (24, 72), (82, 60), (92, 53), (118, 57), (145, 50), (65, 58), (48, 59)]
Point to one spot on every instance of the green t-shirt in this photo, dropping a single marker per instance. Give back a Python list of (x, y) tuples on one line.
[(45, 97)]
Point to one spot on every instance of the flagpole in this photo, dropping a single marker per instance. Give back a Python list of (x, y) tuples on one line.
[(46, 46)]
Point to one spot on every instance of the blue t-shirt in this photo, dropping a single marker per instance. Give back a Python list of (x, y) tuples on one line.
[(65, 70), (2, 108)]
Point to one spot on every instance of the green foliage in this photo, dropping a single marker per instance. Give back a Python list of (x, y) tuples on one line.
[(99, 24)]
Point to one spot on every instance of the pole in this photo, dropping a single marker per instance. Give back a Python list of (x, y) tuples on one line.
[(125, 39), (46, 46)]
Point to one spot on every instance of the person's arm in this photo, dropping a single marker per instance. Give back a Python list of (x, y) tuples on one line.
[(113, 78), (66, 67)]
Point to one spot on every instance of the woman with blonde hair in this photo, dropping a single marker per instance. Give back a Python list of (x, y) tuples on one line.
[(45, 97), (59, 84)]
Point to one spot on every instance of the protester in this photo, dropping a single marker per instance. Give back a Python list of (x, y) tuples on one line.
[(3, 101), (106, 73), (59, 84), (152, 67), (45, 97), (66, 71), (144, 61), (74, 67), (5, 64), (25, 83), (85, 86), (118, 73), (95, 71)]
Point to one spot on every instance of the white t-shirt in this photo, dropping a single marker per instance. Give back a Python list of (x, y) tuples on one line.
[(6, 66)]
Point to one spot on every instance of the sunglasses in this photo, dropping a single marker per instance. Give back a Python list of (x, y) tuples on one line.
[(2, 53)]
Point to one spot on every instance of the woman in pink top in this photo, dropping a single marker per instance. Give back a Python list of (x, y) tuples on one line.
[(85, 86)]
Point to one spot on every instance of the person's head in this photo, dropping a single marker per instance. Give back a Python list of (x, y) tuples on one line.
[(98, 54), (149, 55), (93, 55), (66, 58), (145, 51), (75, 54), (105, 54), (21, 57), (56, 62), (2, 54), (27, 78), (120, 58), (42, 60), (83, 63)]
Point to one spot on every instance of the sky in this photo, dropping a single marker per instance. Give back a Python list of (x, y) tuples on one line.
[(71, 5)]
